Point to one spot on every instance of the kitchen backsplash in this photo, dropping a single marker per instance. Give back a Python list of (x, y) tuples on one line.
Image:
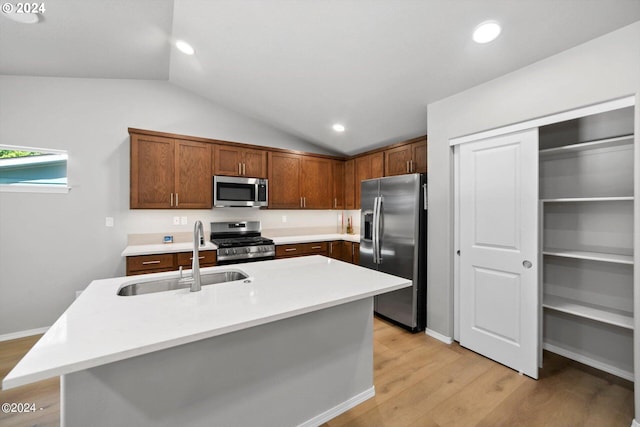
[(149, 226)]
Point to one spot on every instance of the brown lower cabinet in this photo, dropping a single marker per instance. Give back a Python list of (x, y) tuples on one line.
[(301, 249), (337, 249), (144, 264), (351, 252)]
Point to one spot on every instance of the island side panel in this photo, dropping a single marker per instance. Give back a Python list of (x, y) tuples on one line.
[(285, 373)]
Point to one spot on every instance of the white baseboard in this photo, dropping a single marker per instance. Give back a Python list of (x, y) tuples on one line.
[(437, 335), (634, 423), (589, 361), (22, 334), (339, 409)]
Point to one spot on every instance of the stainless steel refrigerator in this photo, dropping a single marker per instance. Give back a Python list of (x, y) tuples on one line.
[(393, 239)]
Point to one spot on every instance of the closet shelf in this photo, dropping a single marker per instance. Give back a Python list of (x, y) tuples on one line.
[(572, 307), (593, 256), (590, 145), (586, 199)]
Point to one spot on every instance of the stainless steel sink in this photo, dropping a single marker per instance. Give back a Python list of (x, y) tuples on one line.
[(170, 284)]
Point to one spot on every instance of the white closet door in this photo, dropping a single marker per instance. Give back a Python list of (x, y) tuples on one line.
[(499, 308)]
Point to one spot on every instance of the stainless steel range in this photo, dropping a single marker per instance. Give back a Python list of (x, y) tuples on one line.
[(241, 242)]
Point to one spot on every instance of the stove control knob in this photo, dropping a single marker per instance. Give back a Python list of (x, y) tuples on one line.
[(247, 250), (234, 251)]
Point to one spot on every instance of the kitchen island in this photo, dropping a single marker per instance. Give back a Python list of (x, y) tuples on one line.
[(290, 345)]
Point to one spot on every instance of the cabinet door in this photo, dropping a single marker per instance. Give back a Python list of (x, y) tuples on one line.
[(362, 172), (254, 163), (347, 252), (152, 172), (377, 165), (227, 160), (349, 185), (317, 183), (398, 160), (284, 180), (193, 182), (338, 184), (419, 156), (336, 249), (498, 235), (356, 254)]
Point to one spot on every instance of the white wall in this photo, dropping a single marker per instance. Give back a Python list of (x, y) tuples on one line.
[(602, 69), (54, 244)]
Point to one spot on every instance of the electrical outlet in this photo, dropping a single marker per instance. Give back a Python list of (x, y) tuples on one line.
[(284, 218), (108, 221), (183, 220), (176, 220)]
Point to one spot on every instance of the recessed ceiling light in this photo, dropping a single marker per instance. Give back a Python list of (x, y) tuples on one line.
[(23, 18), (338, 127), (185, 47), (486, 32)]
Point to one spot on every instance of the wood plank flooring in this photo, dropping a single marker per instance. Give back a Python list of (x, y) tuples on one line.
[(421, 382)]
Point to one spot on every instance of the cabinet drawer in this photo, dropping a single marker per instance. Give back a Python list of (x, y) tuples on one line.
[(319, 248), (289, 250), (150, 262), (206, 257)]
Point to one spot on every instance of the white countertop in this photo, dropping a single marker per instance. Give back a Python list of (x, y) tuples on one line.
[(101, 327), (285, 240), (165, 248)]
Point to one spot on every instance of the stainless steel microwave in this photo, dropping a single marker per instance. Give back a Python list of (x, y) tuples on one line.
[(231, 191)]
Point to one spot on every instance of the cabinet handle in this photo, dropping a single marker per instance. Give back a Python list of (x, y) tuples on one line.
[(335, 202), (291, 249), (411, 164), (304, 202), (331, 248), (244, 169), (200, 257), (408, 170), (239, 168), (176, 200), (316, 247), (171, 199), (300, 201), (150, 262)]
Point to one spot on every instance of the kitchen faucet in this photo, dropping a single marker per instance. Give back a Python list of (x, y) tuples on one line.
[(198, 233)]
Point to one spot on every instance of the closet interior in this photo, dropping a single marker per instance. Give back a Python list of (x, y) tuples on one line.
[(586, 218)]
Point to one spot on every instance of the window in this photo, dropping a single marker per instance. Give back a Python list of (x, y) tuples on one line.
[(30, 169)]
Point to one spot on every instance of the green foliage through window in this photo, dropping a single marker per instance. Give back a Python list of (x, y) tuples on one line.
[(12, 154)]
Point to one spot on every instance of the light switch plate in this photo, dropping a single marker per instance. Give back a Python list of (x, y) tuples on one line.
[(176, 220), (183, 220), (108, 221), (284, 218)]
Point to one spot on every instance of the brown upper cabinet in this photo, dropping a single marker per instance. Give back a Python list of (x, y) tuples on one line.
[(338, 184), (317, 183), (367, 167), (349, 184), (169, 173), (235, 161), (299, 182), (407, 158), (284, 180)]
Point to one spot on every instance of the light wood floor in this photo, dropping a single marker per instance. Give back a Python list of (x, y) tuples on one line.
[(422, 382)]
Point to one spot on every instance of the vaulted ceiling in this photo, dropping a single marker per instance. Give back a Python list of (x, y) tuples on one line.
[(302, 65)]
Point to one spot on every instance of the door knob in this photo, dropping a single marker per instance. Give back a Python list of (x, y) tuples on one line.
[(527, 264)]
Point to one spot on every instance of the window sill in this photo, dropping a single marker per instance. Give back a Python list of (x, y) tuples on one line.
[(33, 188)]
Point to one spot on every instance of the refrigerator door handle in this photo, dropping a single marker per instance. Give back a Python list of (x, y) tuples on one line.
[(379, 230), (375, 230), (424, 187)]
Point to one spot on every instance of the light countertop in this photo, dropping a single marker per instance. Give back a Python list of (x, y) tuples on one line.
[(101, 327), (165, 248), (305, 238), (162, 248)]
